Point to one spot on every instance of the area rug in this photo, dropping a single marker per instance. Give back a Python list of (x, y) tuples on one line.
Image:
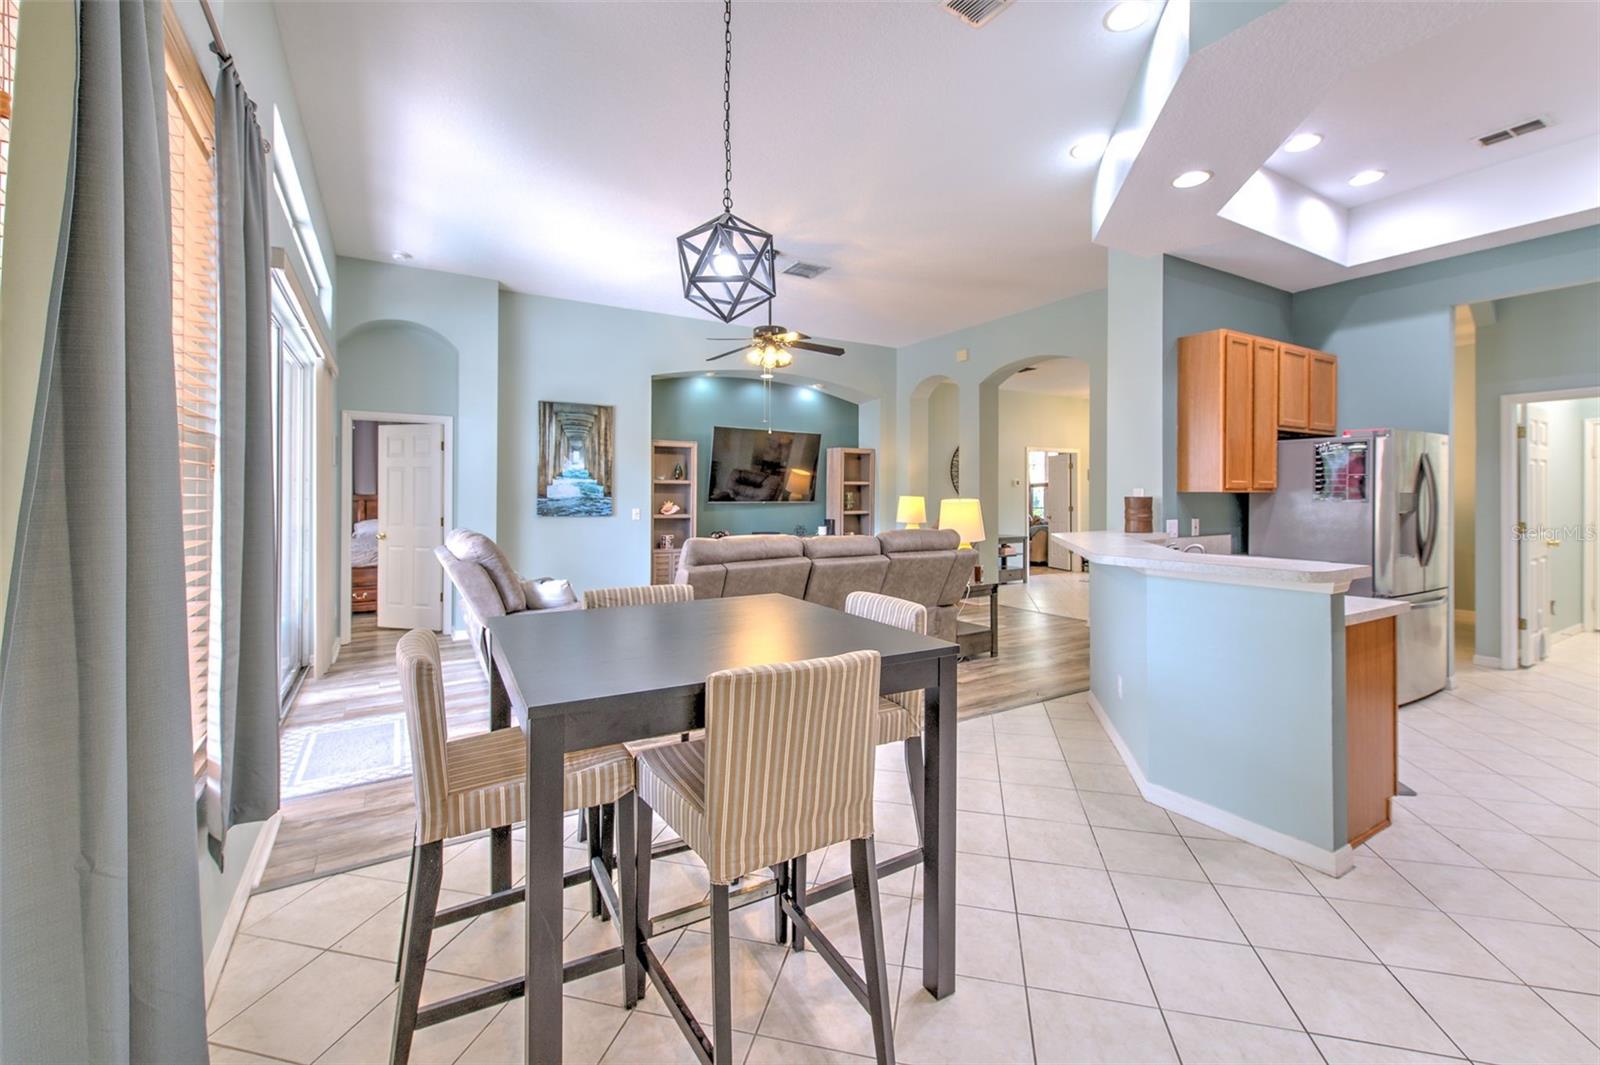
[(342, 754)]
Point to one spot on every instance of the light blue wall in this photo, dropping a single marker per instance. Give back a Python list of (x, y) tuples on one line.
[(554, 349), (1548, 340), (1566, 418), (688, 408), (1074, 327), (1251, 725), (398, 367), (1196, 299), (1395, 340), (1134, 374)]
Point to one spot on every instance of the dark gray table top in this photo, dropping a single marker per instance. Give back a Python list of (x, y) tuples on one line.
[(560, 660)]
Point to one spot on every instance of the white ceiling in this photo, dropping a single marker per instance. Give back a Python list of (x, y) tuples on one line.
[(1053, 377), (1390, 84), (559, 148)]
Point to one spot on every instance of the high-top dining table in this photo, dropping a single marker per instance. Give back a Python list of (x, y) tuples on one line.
[(583, 678)]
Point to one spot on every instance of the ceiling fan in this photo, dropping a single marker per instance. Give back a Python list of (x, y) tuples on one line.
[(773, 346)]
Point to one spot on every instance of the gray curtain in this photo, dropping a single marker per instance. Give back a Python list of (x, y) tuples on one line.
[(100, 955), (243, 780)]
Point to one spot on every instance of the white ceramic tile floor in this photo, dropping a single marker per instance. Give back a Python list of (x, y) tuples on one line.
[(1093, 926)]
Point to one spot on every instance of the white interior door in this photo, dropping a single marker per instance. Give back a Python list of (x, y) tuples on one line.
[(1061, 506), (1591, 521), (1533, 554), (410, 526)]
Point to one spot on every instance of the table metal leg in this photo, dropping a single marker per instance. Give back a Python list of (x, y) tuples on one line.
[(939, 834), (546, 745), (994, 623), (499, 838)]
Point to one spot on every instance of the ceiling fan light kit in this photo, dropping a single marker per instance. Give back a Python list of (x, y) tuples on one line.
[(727, 262)]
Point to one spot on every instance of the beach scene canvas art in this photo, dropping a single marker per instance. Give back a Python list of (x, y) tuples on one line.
[(577, 459)]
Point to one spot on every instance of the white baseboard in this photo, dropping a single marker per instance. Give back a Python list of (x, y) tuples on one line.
[(1566, 633), (1490, 662), (1331, 863), (255, 865), (1466, 617)]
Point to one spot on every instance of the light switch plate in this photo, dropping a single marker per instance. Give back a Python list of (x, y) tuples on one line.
[(635, 513)]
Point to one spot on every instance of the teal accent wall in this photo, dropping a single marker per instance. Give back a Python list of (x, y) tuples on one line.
[(1395, 338), (688, 408), (1134, 374), (1196, 299), (1253, 725)]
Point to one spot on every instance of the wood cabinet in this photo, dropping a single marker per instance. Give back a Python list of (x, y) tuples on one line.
[(1323, 390), (1294, 377), (1236, 394), (1371, 721)]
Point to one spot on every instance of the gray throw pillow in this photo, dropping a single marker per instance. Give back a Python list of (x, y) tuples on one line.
[(549, 593)]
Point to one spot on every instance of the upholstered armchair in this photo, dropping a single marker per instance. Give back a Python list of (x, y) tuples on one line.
[(490, 587)]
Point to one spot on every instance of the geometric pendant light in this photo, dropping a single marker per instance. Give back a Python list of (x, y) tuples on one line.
[(727, 263)]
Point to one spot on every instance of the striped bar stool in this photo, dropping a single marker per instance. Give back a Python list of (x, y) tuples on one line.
[(597, 825), (475, 783), (899, 715), (785, 768)]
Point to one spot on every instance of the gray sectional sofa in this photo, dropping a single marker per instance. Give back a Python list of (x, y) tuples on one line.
[(926, 566)]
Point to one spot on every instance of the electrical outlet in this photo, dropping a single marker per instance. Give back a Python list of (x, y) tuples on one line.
[(635, 513), (1119, 685), (961, 354)]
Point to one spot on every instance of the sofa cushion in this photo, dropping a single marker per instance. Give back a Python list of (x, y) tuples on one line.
[(920, 576), (840, 546), (785, 576), (471, 546), (707, 581), (961, 567), (706, 550), (919, 540), (834, 578)]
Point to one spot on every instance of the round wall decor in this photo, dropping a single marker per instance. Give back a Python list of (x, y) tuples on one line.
[(955, 469)]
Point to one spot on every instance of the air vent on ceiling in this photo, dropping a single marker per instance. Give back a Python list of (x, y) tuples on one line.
[(976, 12), (1521, 129), (806, 270)]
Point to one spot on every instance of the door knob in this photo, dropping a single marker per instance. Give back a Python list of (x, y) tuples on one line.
[(383, 536), (1552, 543)]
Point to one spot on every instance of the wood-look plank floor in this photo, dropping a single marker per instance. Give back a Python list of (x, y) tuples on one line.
[(1042, 656)]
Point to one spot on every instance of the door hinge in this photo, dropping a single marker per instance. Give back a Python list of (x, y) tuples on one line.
[(1522, 528), (441, 597), (1522, 624), (1522, 432), (441, 521)]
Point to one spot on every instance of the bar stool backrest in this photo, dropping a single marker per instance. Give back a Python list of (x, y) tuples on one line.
[(902, 614), (417, 658), (789, 759), (638, 595)]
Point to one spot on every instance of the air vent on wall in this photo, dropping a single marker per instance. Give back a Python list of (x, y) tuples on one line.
[(1027, 369), (1521, 129), (806, 270), (976, 12)]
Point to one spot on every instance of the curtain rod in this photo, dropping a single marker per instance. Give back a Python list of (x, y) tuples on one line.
[(222, 52), (216, 32)]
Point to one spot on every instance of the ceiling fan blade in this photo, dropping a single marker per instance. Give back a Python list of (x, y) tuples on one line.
[(731, 351), (745, 339), (824, 349)]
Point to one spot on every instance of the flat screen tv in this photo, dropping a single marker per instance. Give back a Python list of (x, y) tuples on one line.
[(755, 466)]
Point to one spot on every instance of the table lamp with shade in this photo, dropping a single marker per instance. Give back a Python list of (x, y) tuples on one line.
[(911, 512), (965, 516)]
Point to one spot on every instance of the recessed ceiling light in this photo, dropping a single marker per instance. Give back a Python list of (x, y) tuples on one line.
[(1190, 178), (1129, 15), (1302, 142), (1367, 177), (400, 256), (1088, 149)]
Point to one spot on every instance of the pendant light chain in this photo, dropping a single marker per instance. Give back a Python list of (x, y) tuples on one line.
[(727, 105)]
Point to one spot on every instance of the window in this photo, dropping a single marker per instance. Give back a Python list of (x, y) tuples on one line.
[(292, 201), (1038, 481), (194, 348), (295, 393), (8, 71)]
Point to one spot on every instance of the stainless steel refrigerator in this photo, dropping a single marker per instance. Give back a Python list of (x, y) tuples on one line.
[(1377, 498)]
